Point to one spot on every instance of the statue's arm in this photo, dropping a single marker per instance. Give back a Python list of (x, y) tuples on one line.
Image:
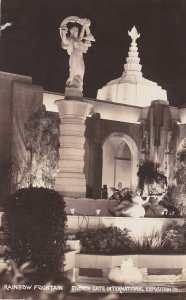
[(85, 28), (63, 33), (82, 33)]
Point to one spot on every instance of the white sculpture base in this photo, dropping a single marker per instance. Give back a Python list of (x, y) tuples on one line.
[(70, 179)]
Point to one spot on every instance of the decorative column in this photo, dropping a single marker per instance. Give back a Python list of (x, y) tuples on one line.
[(145, 139), (70, 179)]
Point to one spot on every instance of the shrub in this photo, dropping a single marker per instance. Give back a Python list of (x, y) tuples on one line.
[(42, 141), (174, 239), (35, 230), (150, 175), (176, 198), (124, 194), (112, 241), (180, 170), (107, 240), (22, 277)]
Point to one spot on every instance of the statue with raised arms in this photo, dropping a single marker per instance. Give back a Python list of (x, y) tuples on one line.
[(76, 42)]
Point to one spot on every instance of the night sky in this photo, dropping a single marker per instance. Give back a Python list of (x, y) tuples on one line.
[(32, 45)]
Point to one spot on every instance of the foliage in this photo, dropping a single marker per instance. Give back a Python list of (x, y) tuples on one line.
[(174, 239), (112, 241), (35, 220), (2, 250), (109, 240), (42, 140), (23, 275), (180, 171), (180, 174), (175, 197), (149, 244), (122, 195), (104, 192), (149, 175), (20, 173), (178, 194)]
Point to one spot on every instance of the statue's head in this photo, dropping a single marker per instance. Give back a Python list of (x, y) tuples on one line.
[(74, 31)]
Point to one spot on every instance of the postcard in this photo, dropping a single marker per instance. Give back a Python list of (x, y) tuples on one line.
[(92, 149)]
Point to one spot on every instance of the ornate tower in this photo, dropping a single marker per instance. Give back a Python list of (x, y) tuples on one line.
[(132, 88)]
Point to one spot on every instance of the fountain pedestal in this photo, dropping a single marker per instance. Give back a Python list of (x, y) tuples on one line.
[(70, 179)]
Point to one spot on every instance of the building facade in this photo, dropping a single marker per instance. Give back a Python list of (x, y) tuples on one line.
[(131, 120), (19, 98)]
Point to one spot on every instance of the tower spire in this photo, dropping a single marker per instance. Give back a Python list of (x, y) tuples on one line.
[(133, 66), (132, 88)]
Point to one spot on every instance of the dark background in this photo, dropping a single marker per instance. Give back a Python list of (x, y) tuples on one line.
[(31, 46)]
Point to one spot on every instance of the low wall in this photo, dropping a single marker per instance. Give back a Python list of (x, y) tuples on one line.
[(87, 206), (155, 269)]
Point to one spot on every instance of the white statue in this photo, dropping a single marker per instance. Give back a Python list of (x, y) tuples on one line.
[(126, 273), (76, 43)]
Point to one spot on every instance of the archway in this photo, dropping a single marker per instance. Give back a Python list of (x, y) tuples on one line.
[(120, 161)]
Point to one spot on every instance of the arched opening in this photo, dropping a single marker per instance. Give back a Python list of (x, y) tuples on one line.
[(120, 160)]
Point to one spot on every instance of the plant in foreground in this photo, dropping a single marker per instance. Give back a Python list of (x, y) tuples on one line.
[(23, 277), (35, 231), (112, 241), (107, 240), (149, 244), (174, 238)]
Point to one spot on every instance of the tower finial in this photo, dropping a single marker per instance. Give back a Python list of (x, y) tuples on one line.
[(133, 67), (134, 34)]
